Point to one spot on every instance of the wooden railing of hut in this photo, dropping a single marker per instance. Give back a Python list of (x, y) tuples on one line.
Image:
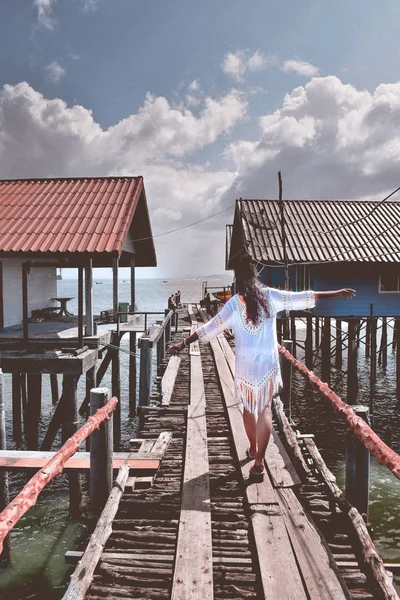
[(157, 336)]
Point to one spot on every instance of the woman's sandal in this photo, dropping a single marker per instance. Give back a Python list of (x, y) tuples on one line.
[(249, 455), (256, 473)]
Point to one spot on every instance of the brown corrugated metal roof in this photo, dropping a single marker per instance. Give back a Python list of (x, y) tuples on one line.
[(362, 235), (67, 215)]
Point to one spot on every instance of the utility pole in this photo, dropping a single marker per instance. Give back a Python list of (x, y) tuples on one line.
[(285, 261)]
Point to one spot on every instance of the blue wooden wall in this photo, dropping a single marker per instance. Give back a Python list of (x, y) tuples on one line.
[(364, 278)]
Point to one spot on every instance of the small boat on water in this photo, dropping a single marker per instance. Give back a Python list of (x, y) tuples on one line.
[(99, 282), (223, 295), (166, 281)]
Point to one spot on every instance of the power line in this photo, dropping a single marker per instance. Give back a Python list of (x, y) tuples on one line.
[(151, 237)]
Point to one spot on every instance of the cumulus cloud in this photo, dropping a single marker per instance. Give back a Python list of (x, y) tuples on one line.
[(46, 138), (238, 63), (329, 139), (54, 72), (300, 67), (44, 10)]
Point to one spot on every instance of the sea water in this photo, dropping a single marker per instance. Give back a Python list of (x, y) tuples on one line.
[(45, 533)]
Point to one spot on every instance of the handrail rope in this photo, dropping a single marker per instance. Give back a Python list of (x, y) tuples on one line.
[(377, 447), (28, 495)]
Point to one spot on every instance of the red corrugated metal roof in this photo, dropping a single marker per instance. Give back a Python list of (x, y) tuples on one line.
[(367, 230), (67, 215)]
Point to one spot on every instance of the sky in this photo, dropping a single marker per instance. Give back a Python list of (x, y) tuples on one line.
[(207, 101)]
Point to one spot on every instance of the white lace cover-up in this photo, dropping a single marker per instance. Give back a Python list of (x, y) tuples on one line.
[(257, 371)]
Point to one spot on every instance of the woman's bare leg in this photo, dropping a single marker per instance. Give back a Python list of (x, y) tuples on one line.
[(249, 421), (263, 432)]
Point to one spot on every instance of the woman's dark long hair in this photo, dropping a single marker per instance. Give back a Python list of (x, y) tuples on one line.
[(248, 285)]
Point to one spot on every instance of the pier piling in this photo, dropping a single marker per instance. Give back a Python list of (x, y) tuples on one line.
[(352, 379), (16, 406), (326, 350), (338, 345), (309, 343), (101, 454), (34, 389), (357, 467), (68, 428)]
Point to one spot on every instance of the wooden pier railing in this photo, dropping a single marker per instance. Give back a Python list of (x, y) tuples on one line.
[(377, 447), (29, 494), (159, 336)]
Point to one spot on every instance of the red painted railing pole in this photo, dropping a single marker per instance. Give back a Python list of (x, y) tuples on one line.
[(28, 496), (385, 455)]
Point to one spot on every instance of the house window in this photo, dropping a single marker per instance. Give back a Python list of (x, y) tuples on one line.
[(389, 279)]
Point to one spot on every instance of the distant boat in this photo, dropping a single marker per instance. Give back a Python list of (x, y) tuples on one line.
[(99, 282), (166, 281), (59, 274)]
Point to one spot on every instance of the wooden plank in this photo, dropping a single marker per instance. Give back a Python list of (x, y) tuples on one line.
[(168, 380), (193, 574), (24, 459), (83, 574), (72, 556), (278, 463), (194, 349), (320, 574), (162, 443), (256, 493), (280, 576)]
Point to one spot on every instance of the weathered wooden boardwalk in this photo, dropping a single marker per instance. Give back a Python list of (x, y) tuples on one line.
[(200, 529)]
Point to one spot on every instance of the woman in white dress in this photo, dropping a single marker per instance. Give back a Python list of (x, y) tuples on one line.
[(251, 313)]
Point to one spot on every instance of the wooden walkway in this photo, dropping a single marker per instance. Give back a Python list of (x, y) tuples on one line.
[(201, 530)]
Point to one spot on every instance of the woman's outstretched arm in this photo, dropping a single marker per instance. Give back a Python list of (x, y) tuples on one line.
[(176, 348), (343, 293)]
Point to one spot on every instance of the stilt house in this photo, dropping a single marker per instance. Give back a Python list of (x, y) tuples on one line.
[(325, 245), (48, 224)]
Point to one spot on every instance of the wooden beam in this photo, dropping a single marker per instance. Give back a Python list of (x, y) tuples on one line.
[(68, 427), (89, 297), (25, 308), (83, 575), (193, 574), (80, 307), (16, 406), (24, 459), (50, 362), (34, 385), (280, 575), (4, 491), (100, 454), (168, 380), (115, 286)]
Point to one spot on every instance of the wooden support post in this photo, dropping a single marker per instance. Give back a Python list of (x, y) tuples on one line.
[(167, 327), (286, 326), (54, 388), (16, 406), (24, 398), (25, 307), (115, 287), (309, 343), (372, 376), (317, 332), (161, 349), (326, 351), (132, 374), (357, 467), (176, 321), (4, 495), (293, 334), (338, 342), (89, 296), (145, 372), (368, 338), (383, 346), (68, 428), (116, 388), (80, 307), (352, 379), (90, 384), (286, 370), (101, 454), (397, 330), (132, 347), (34, 385), (394, 338)]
